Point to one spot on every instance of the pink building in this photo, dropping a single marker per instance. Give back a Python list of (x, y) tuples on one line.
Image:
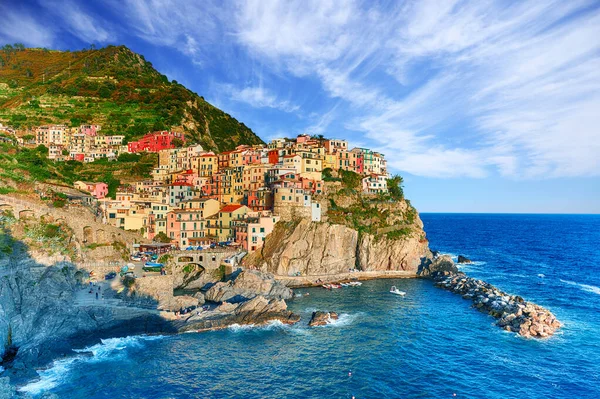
[(98, 190), (89, 130), (252, 234)]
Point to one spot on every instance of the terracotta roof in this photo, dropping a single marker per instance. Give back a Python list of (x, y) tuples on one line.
[(182, 183), (230, 208)]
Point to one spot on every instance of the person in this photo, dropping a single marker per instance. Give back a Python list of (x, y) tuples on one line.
[(96, 295)]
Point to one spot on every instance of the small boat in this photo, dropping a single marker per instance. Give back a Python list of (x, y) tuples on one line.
[(355, 283), (326, 286), (152, 267), (345, 284), (396, 291), (336, 286)]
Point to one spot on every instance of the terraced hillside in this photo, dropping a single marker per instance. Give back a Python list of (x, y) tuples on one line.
[(113, 87)]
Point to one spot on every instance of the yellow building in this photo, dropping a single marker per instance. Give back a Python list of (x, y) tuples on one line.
[(222, 227), (208, 165)]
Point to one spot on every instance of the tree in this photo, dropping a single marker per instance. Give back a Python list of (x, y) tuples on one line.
[(177, 142), (394, 186), (161, 237)]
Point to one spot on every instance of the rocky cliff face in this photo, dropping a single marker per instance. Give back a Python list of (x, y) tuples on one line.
[(313, 248), (39, 318)]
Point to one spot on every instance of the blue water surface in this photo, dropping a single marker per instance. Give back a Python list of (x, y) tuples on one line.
[(428, 344)]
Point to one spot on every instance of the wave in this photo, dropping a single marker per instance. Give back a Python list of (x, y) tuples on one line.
[(343, 319), (584, 287), (272, 325), (107, 349)]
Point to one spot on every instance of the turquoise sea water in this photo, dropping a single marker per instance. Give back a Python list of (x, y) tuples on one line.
[(428, 344)]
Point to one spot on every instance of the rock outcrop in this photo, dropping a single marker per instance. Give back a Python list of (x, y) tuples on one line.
[(247, 285), (463, 259), (512, 311), (311, 248), (256, 311), (322, 318)]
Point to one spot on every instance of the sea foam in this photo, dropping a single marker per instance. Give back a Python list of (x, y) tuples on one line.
[(584, 287), (59, 371)]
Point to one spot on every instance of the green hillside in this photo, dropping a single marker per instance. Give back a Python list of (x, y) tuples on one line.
[(113, 87)]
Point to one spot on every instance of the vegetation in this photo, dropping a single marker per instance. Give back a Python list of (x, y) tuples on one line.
[(113, 87), (161, 237), (23, 165), (394, 186), (52, 238)]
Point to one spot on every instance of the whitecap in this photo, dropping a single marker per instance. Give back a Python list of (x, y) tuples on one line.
[(584, 287), (343, 319), (541, 275), (271, 325), (60, 369)]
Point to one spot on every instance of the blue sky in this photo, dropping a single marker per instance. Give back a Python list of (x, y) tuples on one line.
[(483, 106)]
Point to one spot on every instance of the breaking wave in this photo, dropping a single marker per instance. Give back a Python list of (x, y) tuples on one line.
[(584, 287), (60, 370)]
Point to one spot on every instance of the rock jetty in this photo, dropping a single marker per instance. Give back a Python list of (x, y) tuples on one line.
[(320, 318), (513, 312)]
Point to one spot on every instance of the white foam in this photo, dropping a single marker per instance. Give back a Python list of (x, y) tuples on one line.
[(584, 287), (541, 275), (343, 319), (271, 325), (60, 369)]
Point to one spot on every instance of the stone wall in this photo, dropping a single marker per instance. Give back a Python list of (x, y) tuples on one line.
[(87, 228)]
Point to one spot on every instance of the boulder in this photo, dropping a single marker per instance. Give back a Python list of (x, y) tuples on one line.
[(322, 318), (463, 259), (247, 285), (256, 311)]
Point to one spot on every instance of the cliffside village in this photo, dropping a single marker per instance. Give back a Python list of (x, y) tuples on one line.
[(197, 198)]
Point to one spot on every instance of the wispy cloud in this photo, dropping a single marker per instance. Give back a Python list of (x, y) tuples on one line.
[(18, 25), (258, 97), (78, 21), (445, 89)]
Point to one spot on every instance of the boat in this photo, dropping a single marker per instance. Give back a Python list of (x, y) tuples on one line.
[(345, 284), (355, 283), (326, 286), (153, 267), (336, 286), (396, 291)]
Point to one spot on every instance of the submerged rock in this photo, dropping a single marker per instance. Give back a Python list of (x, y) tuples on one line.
[(320, 318), (463, 259)]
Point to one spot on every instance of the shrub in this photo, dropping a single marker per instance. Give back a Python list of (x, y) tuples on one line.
[(128, 281)]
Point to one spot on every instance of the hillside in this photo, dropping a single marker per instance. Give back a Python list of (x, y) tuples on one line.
[(113, 87)]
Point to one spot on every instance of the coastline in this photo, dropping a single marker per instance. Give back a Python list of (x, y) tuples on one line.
[(310, 281)]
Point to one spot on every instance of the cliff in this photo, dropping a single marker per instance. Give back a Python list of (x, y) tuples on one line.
[(371, 233)]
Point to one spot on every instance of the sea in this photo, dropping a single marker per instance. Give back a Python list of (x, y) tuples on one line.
[(428, 344)]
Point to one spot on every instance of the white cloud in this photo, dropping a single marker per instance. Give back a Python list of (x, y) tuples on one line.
[(452, 88), (258, 97), (78, 22), (17, 26)]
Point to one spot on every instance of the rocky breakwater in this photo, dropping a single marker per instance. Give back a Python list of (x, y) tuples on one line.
[(513, 312)]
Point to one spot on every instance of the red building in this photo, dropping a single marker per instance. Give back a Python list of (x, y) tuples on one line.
[(154, 142), (274, 156)]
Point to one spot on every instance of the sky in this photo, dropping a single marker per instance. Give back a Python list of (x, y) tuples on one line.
[(482, 106)]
